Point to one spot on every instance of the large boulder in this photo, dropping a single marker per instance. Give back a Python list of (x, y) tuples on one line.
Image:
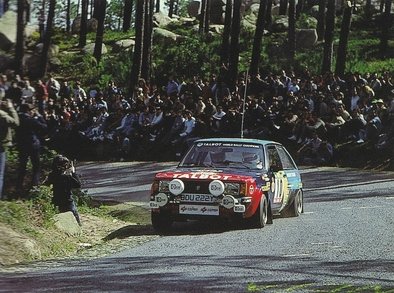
[(161, 20), (8, 30), (89, 49), (280, 24), (66, 223), (306, 38), (123, 45), (92, 25), (53, 50), (33, 66), (164, 35), (5, 61), (76, 25)]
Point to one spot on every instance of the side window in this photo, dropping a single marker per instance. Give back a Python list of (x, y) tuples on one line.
[(274, 158), (287, 162)]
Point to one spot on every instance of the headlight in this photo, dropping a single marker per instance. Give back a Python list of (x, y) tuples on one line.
[(235, 189), (231, 188), (164, 186)]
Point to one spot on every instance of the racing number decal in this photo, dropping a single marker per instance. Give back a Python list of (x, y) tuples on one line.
[(280, 187)]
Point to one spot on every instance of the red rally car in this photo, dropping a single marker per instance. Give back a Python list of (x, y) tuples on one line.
[(231, 178)]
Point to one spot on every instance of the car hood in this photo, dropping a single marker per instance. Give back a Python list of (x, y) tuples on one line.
[(225, 174)]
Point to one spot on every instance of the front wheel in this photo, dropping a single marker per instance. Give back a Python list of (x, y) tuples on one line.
[(161, 222), (263, 215)]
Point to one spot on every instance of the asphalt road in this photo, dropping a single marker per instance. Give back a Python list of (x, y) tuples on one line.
[(342, 243)]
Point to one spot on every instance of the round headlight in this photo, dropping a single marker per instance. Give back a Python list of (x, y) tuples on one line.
[(176, 186), (161, 199), (216, 187)]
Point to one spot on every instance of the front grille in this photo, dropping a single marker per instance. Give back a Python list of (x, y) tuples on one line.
[(200, 187)]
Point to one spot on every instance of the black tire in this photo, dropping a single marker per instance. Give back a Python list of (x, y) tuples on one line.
[(260, 218), (296, 207), (161, 222)]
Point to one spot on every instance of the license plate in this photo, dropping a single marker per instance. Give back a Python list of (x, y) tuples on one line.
[(197, 198), (199, 210)]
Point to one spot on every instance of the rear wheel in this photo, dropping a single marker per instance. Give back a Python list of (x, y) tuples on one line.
[(296, 207), (161, 222)]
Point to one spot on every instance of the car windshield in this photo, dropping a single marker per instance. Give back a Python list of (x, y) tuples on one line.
[(220, 154)]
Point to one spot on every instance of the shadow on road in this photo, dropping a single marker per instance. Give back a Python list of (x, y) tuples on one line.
[(216, 274)]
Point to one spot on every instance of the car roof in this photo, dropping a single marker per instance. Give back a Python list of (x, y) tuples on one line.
[(238, 140)]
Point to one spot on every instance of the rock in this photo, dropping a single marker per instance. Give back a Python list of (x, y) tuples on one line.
[(188, 21), (8, 30), (123, 45), (52, 52), (89, 49), (15, 247), (216, 28), (309, 22), (161, 20), (275, 10), (5, 62), (66, 223), (280, 24), (76, 25), (164, 35), (306, 38), (254, 8), (92, 25)]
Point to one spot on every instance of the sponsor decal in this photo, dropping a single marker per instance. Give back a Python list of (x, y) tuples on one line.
[(227, 144), (216, 187), (201, 176), (199, 210), (176, 186), (251, 189)]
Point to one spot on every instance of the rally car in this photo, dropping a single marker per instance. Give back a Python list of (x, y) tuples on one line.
[(246, 180)]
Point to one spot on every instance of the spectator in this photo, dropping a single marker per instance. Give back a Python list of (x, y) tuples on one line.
[(31, 127), (8, 119), (63, 179), (28, 92)]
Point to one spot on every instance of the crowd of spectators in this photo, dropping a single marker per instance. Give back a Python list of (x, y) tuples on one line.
[(313, 113)]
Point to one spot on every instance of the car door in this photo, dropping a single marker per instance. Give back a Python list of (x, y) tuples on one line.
[(279, 191), (291, 173)]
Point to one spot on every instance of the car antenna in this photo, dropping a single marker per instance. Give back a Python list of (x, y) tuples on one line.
[(243, 103)]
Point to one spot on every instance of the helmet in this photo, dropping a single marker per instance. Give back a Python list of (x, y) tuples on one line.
[(60, 163)]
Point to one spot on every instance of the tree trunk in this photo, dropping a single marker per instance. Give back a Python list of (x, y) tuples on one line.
[(283, 7), (268, 14), (47, 37), (300, 8), (176, 7), (207, 17), (203, 15), (95, 9), (228, 19), (27, 11), (321, 20), (147, 45), (157, 6), (139, 37), (41, 21), (258, 36), (68, 17), (343, 40), (6, 5), (101, 8), (234, 53), (386, 26), (329, 37), (20, 38), (368, 11), (171, 8), (127, 11), (292, 32), (84, 24)]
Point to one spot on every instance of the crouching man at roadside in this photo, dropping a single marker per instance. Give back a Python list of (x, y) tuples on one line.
[(63, 179)]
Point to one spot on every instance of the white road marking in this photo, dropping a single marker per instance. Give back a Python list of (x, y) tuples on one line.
[(349, 208), (308, 213), (349, 185), (297, 255), (322, 243), (373, 207)]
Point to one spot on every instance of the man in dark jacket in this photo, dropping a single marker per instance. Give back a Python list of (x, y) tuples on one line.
[(63, 179), (8, 119), (32, 125)]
